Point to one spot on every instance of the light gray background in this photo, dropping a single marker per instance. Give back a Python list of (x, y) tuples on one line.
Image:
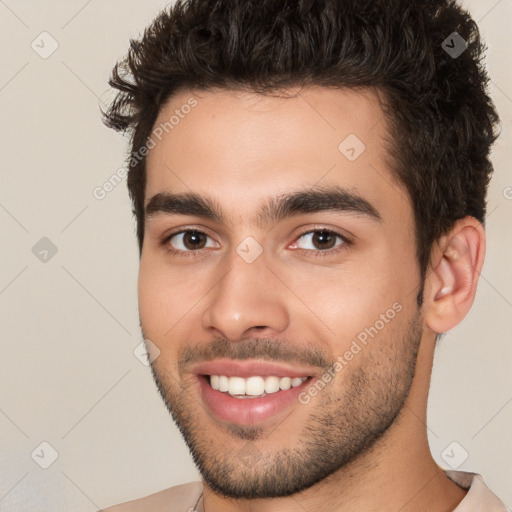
[(69, 326)]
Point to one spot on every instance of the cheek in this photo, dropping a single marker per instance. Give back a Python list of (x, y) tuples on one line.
[(167, 301), (158, 322), (149, 296), (361, 299), (156, 300)]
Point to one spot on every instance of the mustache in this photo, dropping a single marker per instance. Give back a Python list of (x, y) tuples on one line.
[(254, 348)]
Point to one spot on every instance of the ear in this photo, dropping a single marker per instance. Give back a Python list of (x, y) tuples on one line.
[(450, 286)]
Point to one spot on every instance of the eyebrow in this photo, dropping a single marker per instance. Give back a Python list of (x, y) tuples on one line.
[(275, 209)]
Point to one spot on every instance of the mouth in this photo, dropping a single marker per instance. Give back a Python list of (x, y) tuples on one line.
[(252, 400), (247, 392)]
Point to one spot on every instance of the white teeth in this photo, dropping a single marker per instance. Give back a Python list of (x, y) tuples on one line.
[(214, 381), (223, 383), (297, 381), (285, 383), (271, 384), (236, 386), (254, 386)]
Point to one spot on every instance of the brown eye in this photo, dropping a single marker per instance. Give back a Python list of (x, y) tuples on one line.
[(188, 241), (194, 239), (324, 239), (321, 240)]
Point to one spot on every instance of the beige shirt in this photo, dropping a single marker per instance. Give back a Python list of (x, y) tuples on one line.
[(184, 498)]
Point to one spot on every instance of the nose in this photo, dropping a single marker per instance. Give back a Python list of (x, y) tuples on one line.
[(247, 297)]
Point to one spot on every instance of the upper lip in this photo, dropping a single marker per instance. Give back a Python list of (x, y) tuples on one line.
[(249, 368)]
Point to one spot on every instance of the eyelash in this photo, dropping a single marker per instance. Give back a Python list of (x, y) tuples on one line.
[(315, 253)]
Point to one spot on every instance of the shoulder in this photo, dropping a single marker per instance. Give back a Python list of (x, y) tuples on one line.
[(479, 496), (180, 498)]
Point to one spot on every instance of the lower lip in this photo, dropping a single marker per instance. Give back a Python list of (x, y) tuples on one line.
[(247, 411)]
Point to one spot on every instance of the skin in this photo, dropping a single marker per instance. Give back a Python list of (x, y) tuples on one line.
[(361, 442)]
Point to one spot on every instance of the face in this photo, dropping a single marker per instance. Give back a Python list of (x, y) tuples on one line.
[(276, 248)]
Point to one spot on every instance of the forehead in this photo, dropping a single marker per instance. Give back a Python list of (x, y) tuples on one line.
[(241, 147)]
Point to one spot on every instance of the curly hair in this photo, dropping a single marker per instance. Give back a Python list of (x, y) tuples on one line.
[(442, 122)]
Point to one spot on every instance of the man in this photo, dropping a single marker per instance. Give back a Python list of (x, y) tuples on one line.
[(309, 182)]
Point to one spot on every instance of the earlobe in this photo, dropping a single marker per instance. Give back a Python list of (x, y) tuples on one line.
[(452, 281)]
